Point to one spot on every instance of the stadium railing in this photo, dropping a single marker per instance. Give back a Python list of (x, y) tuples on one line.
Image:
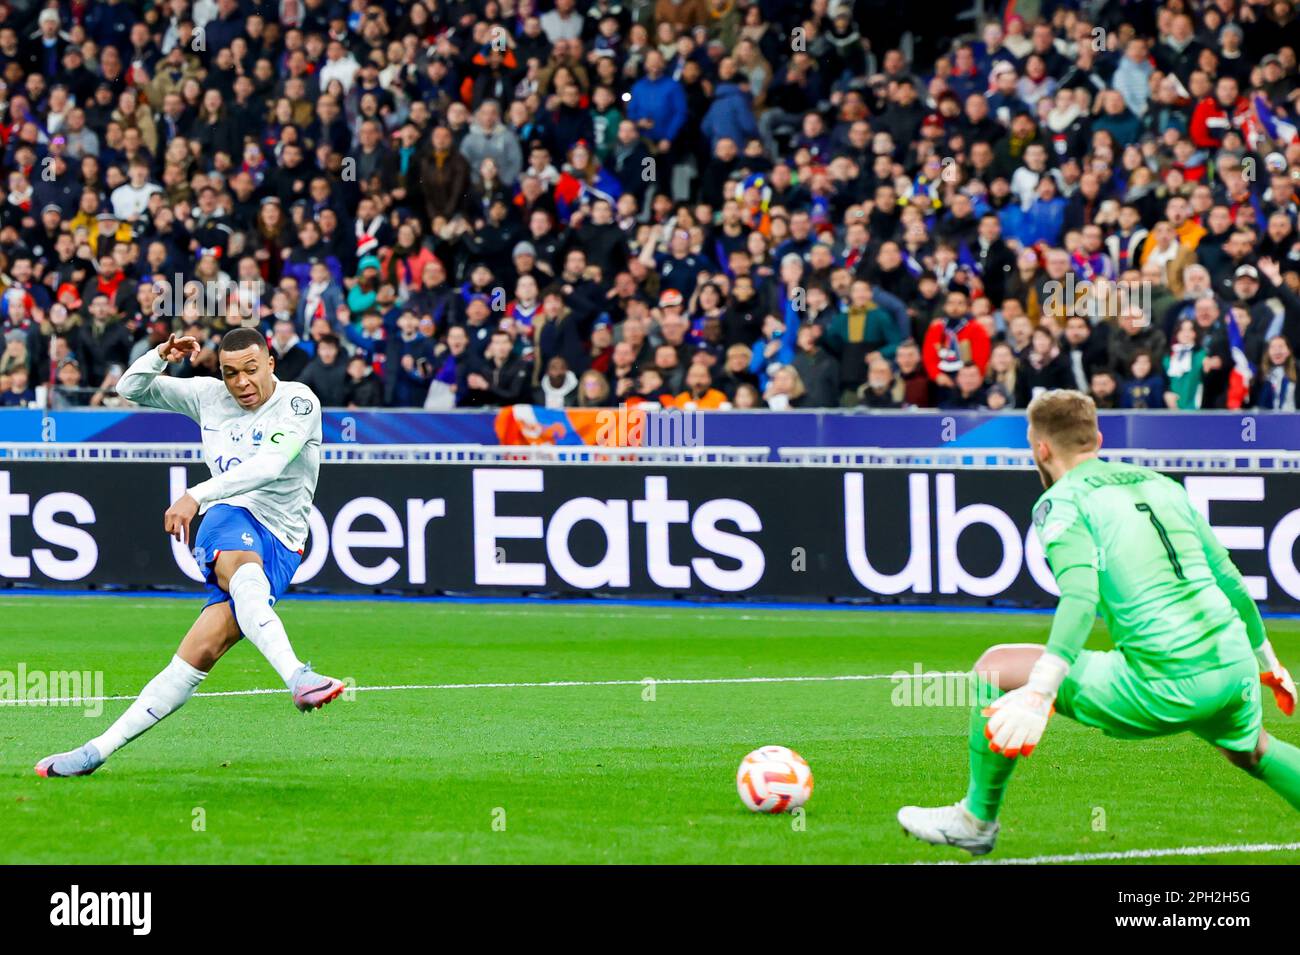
[(401, 453), (855, 457), (1004, 458)]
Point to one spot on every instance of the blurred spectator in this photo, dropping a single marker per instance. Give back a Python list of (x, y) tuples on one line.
[(1104, 389), (1136, 333), (452, 359), (500, 379), (558, 387), (1083, 348), (1277, 377), (650, 388), (918, 388), (863, 331), (68, 391), (291, 359), (1182, 367), (700, 395), (15, 353), (327, 374), (881, 390), (818, 371), (968, 389), (408, 361), (593, 390), (953, 341), (1041, 368), (363, 389), (773, 351), (785, 390), (19, 394), (1143, 387), (1004, 373), (747, 398), (105, 396)]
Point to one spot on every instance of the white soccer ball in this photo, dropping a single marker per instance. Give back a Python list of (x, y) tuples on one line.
[(774, 779)]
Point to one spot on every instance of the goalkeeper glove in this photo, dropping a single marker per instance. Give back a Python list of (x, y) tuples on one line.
[(1275, 676), (1017, 719)]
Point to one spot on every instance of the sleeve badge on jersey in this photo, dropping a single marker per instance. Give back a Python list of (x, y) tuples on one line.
[(1052, 518), (300, 405)]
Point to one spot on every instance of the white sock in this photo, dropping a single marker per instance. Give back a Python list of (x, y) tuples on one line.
[(162, 696), (251, 592)]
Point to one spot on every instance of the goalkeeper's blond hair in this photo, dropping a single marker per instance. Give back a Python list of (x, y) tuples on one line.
[(1066, 419)]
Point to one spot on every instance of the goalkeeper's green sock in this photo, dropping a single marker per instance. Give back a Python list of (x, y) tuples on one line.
[(1279, 769), (989, 771)]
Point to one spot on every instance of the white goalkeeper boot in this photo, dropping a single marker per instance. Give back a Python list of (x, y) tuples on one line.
[(949, 826)]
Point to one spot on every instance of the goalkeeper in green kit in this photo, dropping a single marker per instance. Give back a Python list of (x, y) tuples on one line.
[(1190, 654)]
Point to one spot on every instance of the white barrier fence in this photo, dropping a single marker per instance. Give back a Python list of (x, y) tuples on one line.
[(402, 453), (864, 457)]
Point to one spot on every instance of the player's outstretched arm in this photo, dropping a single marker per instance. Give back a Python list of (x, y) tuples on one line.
[(1018, 719), (142, 383), (1271, 671)]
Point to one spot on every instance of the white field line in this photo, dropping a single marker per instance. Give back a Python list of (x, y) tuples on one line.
[(813, 615), (1177, 851), (846, 678)]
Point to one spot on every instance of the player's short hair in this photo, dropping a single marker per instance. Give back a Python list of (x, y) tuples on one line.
[(237, 339), (1065, 418)]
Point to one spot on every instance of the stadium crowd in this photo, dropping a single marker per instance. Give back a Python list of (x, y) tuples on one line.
[(701, 203)]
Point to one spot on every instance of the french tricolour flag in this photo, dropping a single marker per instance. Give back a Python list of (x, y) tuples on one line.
[(1243, 372), (1277, 129)]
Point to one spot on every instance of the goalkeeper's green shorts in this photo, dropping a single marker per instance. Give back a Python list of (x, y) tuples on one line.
[(1222, 706)]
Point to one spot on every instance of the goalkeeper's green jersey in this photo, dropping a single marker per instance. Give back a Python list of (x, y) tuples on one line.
[(1126, 541)]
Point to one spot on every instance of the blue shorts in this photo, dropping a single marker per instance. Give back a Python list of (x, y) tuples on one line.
[(226, 527)]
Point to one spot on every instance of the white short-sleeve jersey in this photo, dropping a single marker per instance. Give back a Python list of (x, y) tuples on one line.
[(266, 461)]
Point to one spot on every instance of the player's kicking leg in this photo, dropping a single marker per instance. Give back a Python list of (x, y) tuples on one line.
[(241, 574), (971, 824), (217, 629), (213, 633)]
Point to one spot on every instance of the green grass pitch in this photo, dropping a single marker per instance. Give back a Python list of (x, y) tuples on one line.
[(582, 773)]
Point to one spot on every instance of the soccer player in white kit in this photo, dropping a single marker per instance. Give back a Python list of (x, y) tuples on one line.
[(261, 440)]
